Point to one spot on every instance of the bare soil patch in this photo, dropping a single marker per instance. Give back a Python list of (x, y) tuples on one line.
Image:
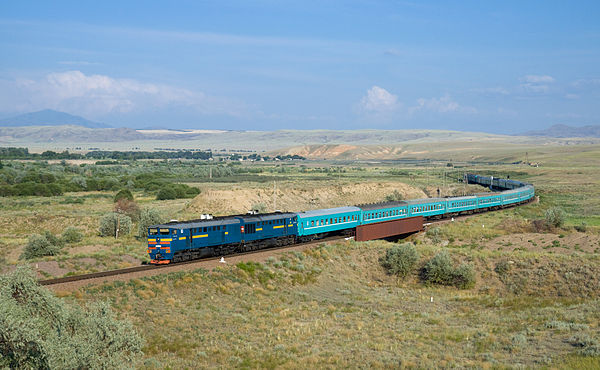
[(554, 243)]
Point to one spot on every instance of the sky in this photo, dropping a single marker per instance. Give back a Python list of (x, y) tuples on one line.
[(501, 67)]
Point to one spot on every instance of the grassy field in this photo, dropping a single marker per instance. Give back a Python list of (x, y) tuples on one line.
[(534, 303)]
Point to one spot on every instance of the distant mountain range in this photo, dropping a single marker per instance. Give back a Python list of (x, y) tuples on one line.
[(562, 131), (49, 117)]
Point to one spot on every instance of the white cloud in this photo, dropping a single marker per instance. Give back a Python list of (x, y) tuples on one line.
[(536, 83), (97, 95), (537, 79), (444, 104), (379, 100), (584, 83), (492, 91)]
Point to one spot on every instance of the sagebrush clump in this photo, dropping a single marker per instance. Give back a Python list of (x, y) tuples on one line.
[(400, 259), (72, 235), (40, 331), (555, 217), (440, 270), (39, 246), (148, 217), (111, 221)]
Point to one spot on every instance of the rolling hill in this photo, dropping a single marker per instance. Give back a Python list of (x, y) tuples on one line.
[(49, 117)]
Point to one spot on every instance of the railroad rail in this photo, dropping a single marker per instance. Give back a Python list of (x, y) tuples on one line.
[(131, 270)]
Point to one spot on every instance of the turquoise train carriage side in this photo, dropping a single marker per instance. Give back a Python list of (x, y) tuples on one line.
[(381, 212), (462, 204), (318, 223), (428, 207)]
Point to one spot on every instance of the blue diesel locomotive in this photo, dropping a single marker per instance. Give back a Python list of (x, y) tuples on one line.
[(181, 241)]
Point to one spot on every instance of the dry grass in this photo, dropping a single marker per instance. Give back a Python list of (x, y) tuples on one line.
[(307, 308)]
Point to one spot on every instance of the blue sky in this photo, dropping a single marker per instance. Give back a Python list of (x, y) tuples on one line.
[(502, 67)]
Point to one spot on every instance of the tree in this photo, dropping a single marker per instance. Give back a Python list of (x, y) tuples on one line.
[(166, 193), (39, 330), (123, 194), (555, 217), (128, 208), (111, 221), (148, 217)]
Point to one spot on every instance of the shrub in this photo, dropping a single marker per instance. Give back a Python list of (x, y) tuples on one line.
[(502, 267), (110, 221), (72, 235), (53, 239), (440, 270), (555, 217), (40, 330), (463, 277), (39, 246), (148, 217), (435, 234), (166, 193), (128, 208), (123, 194), (581, 228), (394, 196), (260, 207), (400, 259)]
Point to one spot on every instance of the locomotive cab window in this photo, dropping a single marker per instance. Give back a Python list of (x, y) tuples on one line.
[(153, 231)]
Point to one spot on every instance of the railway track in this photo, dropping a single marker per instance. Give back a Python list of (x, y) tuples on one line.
[(130, 270)]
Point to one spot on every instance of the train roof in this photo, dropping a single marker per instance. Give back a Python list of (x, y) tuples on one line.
[(424, 201), (229, 220), (225, 220), (267, 216), (372, 206), (466, 197), (328, 211)]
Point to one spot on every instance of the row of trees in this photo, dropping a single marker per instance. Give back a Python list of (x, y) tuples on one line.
[(23, 153)]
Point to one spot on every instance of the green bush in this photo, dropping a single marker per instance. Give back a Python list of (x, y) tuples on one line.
[(435, 234), (440, 270), (148, 217), (39, 246), (394, 196), (166, 193), (463, 277), (110, 221), (400, 259), (555, 217), (41, 331), (72, 235), (123, 194)]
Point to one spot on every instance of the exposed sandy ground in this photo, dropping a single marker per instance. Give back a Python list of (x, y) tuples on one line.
[(534, 242), (298, 197)]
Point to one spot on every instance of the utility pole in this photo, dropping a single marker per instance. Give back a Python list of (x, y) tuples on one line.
[(209, 172), (274, 196)]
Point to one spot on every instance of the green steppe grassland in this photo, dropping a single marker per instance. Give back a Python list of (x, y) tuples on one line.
[(533, 301)]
